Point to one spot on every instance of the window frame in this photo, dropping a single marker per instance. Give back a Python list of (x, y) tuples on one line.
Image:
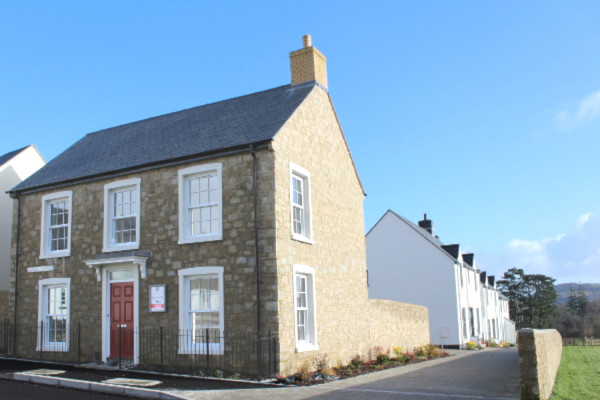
[(309, 274), (464, 323), (45, 235), (185, 344), (109, 189), (303, 175), (44, 344), (183, 179)]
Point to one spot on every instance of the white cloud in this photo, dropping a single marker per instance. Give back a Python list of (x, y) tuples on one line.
[(582, 220), (587, 110), (573, 257)]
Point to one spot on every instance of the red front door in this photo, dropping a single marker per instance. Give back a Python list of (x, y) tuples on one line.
[(121, 320)]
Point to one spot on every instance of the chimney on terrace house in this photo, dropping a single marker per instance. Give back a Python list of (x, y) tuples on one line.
[(308, 64), (426, 224)]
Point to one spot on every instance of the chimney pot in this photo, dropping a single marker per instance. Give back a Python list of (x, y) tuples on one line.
[(308, 64), (307, 40)]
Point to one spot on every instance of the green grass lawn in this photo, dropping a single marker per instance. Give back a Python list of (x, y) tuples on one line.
[(578, 376)]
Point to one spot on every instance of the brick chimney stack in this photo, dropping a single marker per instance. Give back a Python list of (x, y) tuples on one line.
[(308, 64)]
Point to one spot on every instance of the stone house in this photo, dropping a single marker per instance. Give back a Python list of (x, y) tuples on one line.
[(197, 234), (15, 166), (462, 306)]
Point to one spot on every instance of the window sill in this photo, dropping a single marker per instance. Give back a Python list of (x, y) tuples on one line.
[(200, 239), (129, 246), (302, 347), (55, 348), (55, 254), (201, 349), (302, 239)]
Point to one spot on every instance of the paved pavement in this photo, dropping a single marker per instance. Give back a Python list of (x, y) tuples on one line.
[(491, 374)]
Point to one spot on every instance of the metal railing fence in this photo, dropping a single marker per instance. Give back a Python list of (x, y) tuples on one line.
[(200, 352)]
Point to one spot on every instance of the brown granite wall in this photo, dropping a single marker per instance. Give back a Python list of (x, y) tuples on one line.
[(4, 306), (397, 324), (312, 139), (159, 234)]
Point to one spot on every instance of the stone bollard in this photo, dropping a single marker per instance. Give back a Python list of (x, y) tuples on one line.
[(540, 351)]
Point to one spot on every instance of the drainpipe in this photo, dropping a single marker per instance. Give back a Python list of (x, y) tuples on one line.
[(17, 240), (258, 303)]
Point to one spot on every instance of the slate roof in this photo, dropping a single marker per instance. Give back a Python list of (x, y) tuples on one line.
[(452, 249), (468, 258), (483, 277), (207, 129), (6, 157)]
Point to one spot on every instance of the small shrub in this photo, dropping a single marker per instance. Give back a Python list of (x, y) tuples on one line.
[(304, 374), (409, 356), (471, 345), (356, 362), (402, 359), (320, 362), (429, 350), (419, 352), (235, 376), (397, 351), (383, 359), (504, 344), (493, 344), (219, 373), (328, 371), (375, 351)]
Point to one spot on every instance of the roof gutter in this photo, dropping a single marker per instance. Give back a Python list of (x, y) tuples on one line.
[(146, 167)]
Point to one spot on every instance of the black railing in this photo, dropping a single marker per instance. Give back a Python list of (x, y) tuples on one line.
[(206, 352)]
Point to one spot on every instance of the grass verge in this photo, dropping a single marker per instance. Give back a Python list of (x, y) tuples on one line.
[(578, 377)]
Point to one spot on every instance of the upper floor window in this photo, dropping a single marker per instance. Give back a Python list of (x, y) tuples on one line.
[(200, 203), (122, 215), (300, 203), (55, 240)]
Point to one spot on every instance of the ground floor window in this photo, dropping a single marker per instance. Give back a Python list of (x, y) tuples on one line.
[(201, 310), (472, 321), (305, 308), (53, 314)]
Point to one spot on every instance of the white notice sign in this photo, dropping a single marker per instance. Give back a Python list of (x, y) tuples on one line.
[(158, 300)]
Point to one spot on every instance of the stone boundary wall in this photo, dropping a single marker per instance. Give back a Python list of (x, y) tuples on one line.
[(4, 299), (392, 323), (540, 352)]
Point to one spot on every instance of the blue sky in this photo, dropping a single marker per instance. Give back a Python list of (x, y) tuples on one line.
[(484, 115)]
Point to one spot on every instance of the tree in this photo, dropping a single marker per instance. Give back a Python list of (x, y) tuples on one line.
[(531, 297), (578, 301)]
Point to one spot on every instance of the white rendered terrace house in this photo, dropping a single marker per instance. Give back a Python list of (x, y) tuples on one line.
[(15, 167), (496, 323), (408, 263)]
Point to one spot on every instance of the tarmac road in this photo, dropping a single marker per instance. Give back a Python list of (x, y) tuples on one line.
[(25, 391)]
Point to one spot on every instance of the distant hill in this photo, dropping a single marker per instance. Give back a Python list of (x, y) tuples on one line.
[(592, 291)]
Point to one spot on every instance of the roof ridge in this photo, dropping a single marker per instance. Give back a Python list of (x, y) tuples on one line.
[(191, 108)]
